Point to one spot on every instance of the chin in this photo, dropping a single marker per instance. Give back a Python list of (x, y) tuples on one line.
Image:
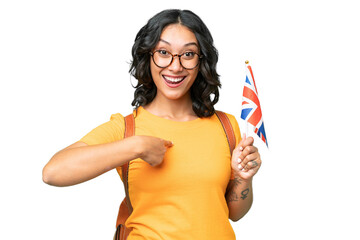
[(174, 96)]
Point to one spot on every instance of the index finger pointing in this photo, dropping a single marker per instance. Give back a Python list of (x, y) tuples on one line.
[(168, 143)]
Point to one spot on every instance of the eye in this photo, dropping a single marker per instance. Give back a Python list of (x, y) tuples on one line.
[(163, 52), (189, 55)]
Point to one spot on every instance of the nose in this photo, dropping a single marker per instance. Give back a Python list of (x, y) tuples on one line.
[(176, 66)]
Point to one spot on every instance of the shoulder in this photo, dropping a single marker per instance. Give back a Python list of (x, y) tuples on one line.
[(235, 125), (109, 131), (231, 118), (117, 118), (117, 122)]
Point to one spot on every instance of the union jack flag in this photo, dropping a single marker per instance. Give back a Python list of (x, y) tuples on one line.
[(251, 111)]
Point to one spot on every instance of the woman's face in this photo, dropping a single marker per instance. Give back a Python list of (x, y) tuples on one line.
[(174, 81)]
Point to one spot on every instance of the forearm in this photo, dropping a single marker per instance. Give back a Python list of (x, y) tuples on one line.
[(79, 164), (239, 198)]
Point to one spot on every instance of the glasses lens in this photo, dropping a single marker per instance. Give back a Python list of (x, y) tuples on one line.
[(163, 59), (189, 60)]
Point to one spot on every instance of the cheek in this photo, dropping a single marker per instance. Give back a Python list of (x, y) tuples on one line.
[(194, 75), (154, 71)]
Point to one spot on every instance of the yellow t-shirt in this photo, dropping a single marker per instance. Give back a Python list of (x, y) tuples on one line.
[(184, 197)]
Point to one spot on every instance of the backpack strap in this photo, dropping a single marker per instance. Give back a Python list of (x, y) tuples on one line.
[(229, 131), (125, 207), (129, 131)]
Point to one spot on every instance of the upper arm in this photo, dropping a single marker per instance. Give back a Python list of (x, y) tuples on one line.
[(110, 131), (74, 145), (77, 144)]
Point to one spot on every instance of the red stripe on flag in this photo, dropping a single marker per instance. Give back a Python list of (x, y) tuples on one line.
[(256, 116), (252, 75)]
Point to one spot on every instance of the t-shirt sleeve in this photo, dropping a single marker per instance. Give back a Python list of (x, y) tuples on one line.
[(110, 131), (237, 133)]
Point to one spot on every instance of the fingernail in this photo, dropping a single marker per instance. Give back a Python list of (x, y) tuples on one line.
[(240, 167), (241, 148), (239, 160)]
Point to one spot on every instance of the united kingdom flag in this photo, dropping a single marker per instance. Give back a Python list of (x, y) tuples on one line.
[(251, 111)]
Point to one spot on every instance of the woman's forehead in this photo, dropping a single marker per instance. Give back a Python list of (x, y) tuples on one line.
[(177, 35)]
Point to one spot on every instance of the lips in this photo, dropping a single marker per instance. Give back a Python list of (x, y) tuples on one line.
[(173, 81)]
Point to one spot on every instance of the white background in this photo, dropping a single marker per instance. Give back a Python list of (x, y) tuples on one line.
[(64, 70)]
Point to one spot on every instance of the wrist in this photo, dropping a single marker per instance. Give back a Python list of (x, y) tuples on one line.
[(242, 179), (136, 146), (129, 148)]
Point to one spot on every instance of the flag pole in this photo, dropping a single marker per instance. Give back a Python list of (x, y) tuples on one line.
[(246, 123)]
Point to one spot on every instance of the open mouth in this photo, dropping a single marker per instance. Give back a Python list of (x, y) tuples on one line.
[(173, 81)]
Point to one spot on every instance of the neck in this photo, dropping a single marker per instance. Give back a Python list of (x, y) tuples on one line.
[(177, 109)]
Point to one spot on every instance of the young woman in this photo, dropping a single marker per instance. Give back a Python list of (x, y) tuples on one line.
[(183, 181)]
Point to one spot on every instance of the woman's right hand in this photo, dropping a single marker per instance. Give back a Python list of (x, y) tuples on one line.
[(80, 162), (153, 149)]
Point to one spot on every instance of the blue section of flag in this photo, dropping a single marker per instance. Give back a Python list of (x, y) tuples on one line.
[(245, 112), (247, 80), (262, 132)]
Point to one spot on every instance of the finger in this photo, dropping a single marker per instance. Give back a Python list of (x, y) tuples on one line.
[(250, 169), (246, 162), (242, 144), (247, 151), (244, 157), (239, 147), (252, 164), (243, 153), (168, 143), (249, 141)]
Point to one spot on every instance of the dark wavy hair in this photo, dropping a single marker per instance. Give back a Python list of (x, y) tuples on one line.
[(205, 89)]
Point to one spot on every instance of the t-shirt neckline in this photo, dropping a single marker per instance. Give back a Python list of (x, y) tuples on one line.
[(168, 122)]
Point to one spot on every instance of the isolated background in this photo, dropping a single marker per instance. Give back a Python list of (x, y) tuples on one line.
[(64, 70)]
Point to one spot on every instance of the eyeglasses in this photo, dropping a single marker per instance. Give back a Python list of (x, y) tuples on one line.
[(188, 60)]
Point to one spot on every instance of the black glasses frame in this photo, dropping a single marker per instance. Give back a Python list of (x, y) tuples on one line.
[(172, 59)]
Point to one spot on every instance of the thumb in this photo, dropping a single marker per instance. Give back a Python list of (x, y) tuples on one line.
[(243, 138), (241, 144), (248, 141)]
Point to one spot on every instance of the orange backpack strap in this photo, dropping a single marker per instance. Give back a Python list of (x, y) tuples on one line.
[(129, 131), (229, 131), (125, 208)]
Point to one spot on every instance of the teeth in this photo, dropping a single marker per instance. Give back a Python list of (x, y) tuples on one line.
[(173, 80)]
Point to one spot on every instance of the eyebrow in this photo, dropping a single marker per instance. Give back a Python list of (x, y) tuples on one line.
[(186, 45)]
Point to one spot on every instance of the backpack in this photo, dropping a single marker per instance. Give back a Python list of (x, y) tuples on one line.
[(125, 208)]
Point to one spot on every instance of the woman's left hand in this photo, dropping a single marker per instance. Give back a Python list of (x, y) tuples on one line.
[(245, 159)]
